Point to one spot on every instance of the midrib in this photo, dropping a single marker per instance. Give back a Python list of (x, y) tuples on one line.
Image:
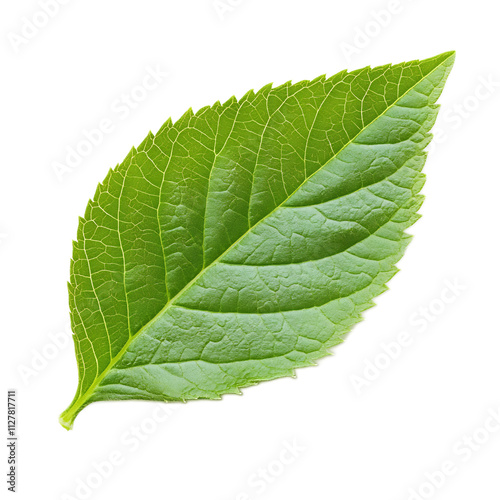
[(88, 393)]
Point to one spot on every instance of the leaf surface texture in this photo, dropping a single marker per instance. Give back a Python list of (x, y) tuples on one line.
[(244, 241)]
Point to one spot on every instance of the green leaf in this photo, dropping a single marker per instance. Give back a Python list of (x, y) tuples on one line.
[(244, 241)]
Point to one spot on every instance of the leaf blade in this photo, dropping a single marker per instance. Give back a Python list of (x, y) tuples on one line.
[(240, 194)]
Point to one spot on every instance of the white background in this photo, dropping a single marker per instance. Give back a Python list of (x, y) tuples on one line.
[(376, 443)]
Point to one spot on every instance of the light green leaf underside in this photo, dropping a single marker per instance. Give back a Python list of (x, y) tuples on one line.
[(245, 240)]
